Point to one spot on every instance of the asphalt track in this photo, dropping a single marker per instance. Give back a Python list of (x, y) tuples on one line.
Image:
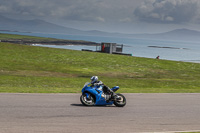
[(63, 113)]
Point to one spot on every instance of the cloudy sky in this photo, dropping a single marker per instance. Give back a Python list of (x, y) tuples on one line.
[(126, 16)]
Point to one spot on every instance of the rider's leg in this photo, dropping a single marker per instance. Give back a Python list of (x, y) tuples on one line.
[(111, 92)]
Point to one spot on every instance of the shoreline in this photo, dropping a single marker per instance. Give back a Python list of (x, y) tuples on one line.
[(38, 45), (166, 47), (50, 42)]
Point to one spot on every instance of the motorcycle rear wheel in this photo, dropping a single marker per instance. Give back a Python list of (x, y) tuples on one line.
[(121, 102), (87, 102)]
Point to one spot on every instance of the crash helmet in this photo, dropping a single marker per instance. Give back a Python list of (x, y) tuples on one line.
[(94, 79)]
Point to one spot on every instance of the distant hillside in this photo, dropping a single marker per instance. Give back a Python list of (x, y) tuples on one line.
[(183, 31), (37, 25), (180, 34)]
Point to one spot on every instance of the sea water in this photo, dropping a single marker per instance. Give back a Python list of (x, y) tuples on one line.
[(166, 49)]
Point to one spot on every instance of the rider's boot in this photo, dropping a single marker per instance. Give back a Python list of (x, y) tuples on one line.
[(113, 95)]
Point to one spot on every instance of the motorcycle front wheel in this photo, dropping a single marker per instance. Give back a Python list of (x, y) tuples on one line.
[(87, 101), (120, 101)]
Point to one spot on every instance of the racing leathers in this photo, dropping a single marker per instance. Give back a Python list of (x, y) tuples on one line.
[(109, 94)]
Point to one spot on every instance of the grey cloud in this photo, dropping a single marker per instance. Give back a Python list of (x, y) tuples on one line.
[(168, 11), (78, 10)]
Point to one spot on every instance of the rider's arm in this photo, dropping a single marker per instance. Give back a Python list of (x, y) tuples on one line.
[(98, 83)]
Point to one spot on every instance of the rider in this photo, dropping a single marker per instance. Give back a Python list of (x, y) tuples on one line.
[(106, 89)]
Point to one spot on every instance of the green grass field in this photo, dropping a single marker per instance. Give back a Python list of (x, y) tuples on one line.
[(30, 69), (34, 38), (13, 36)]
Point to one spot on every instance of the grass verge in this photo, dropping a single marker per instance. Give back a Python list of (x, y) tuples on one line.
[(30, 69)]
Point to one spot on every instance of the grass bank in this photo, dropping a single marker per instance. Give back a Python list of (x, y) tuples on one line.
[(21, 39), (30, 69)]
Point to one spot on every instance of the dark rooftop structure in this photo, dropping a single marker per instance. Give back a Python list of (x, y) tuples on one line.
[(110, 48)]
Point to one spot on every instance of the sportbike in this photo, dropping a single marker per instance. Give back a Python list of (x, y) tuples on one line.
[(94, 95)]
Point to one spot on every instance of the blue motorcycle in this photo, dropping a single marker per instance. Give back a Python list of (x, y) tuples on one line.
[(94, 95)]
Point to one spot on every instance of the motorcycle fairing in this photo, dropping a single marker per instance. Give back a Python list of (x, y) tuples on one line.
[(97, 92), (115, 88)]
